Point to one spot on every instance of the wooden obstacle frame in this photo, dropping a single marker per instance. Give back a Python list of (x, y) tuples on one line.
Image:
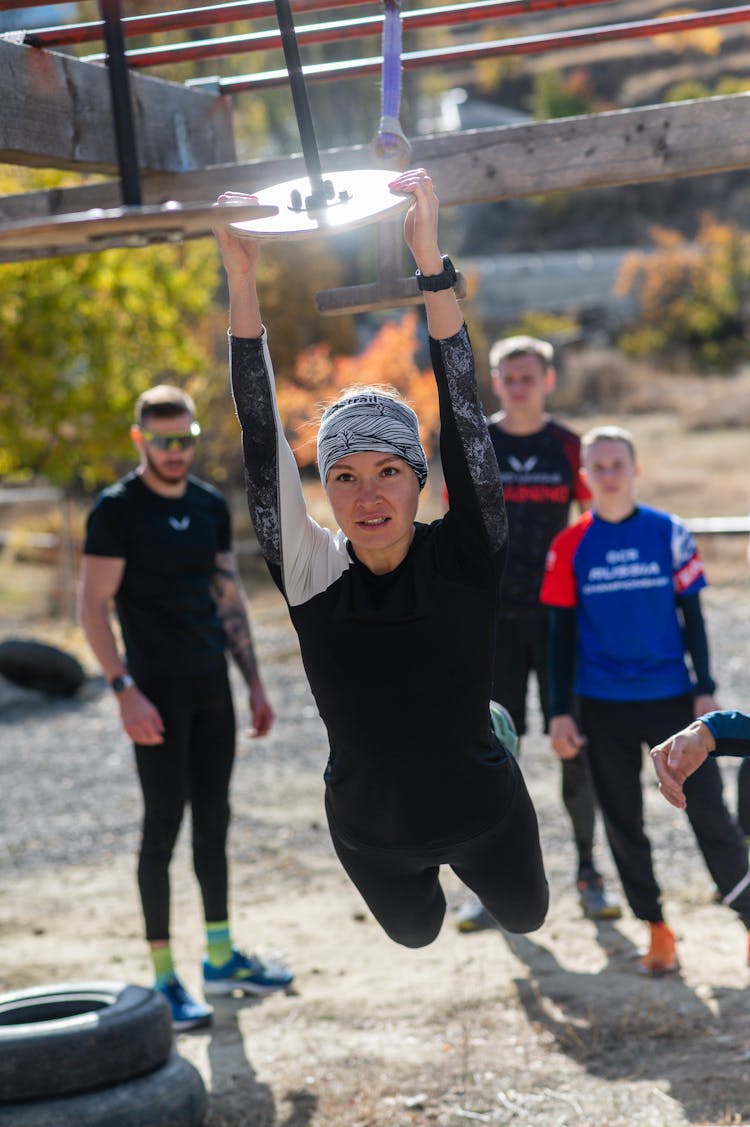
[(57, 116)]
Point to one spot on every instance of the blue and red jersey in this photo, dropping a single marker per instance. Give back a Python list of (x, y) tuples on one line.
[(624, 579)]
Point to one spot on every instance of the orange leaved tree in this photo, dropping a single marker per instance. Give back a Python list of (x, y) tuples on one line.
[(318, 377)]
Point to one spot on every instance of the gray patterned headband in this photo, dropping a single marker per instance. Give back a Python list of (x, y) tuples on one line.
[(370, 422)]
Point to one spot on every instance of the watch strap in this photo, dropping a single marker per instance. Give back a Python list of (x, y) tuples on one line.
[(433, 283), (121, 683)]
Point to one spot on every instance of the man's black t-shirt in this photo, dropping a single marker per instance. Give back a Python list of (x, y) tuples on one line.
[(165, 604), (540, 479)]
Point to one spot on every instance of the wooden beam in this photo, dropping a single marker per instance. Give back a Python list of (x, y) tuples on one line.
[(57, 114), (606, 150)]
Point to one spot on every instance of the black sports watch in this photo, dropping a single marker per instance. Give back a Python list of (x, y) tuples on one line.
[(121, 683), (434, 282)]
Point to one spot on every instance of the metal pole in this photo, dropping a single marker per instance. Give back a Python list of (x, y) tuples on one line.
[(301, 102), (463, 53), (122, 109), (185, 20)]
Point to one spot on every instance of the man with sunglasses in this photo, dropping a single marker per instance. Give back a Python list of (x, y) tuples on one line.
[(158, 543)]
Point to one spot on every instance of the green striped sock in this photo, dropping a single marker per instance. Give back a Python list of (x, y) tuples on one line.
[(161, 957), (219, 943)]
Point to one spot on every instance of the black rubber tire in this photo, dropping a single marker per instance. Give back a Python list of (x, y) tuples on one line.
[(79, 1035), (35, 665), (170, 1096)]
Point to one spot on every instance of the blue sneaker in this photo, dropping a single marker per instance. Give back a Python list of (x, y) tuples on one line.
[(186, 1012), (247, 973), (597, 903)]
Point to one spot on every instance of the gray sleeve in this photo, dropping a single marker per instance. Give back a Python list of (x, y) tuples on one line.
[(470, 467)]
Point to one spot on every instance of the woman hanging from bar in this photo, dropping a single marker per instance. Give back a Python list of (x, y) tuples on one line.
[(395, 618)]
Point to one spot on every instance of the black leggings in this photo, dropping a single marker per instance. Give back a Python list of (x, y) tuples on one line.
[(616, 733), (503, 866), (193, 765)]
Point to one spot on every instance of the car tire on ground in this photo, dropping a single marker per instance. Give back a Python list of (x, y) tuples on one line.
[(79, 1035), (35, 665), (172, 1095)]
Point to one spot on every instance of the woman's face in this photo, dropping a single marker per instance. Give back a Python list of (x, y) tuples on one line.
[(374, 497)]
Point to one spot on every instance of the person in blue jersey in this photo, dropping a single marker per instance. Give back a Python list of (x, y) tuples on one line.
[(159, 546), (395, 618), (624, 586)]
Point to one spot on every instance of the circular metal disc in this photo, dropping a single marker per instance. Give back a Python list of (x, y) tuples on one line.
[(358, 198), (100, 229)]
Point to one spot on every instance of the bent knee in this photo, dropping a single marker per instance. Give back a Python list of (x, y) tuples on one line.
[(414, 931), (413, 937), (529, 917)]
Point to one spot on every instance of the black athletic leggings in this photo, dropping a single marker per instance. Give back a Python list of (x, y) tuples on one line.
[(503, 866), (617, 732), (193, 765)]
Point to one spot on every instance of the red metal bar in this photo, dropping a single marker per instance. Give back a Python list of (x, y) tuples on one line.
[(335, 31), (529, 45), (11, 5), (67, 35)]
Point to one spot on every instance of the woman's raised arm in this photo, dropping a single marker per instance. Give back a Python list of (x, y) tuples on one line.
[(444, 317), (240, 259)]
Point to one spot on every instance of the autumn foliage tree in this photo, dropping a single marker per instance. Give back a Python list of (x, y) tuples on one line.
[(82, 336), (692, 296), (318, 377)]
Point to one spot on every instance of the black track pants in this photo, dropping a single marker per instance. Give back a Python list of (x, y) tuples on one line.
[(193, 765), (743, 796), (522, 647), (616, 732), (503, 866)]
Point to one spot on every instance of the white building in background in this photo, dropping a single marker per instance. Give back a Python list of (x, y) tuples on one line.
[(578, 283)]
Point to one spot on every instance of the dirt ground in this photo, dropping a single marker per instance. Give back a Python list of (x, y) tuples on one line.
[(555, 1028)]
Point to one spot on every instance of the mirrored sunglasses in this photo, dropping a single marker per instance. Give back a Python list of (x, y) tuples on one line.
[(166, 442)]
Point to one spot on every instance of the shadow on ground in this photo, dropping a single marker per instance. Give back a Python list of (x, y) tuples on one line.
[(237, 1097), (638, 1028)]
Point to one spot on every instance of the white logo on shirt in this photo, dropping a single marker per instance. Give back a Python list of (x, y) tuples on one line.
[(522, 467), (180, 525), (624, 571)]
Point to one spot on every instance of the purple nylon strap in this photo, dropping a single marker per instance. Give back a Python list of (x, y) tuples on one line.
[(391, 145)]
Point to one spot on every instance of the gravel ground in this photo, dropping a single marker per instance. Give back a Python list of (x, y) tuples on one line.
[(67, 758), (551, 1030)]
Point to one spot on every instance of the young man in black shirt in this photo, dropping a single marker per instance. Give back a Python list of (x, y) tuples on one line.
[(539, 461), (158, 543)]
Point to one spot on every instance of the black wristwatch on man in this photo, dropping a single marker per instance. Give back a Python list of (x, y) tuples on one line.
[(120, 684)]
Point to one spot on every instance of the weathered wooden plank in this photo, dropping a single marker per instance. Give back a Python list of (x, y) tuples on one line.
[(604, 150), (57, 114), (385, 293)]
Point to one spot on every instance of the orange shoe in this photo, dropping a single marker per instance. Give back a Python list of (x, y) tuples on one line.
[(661, 957)]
